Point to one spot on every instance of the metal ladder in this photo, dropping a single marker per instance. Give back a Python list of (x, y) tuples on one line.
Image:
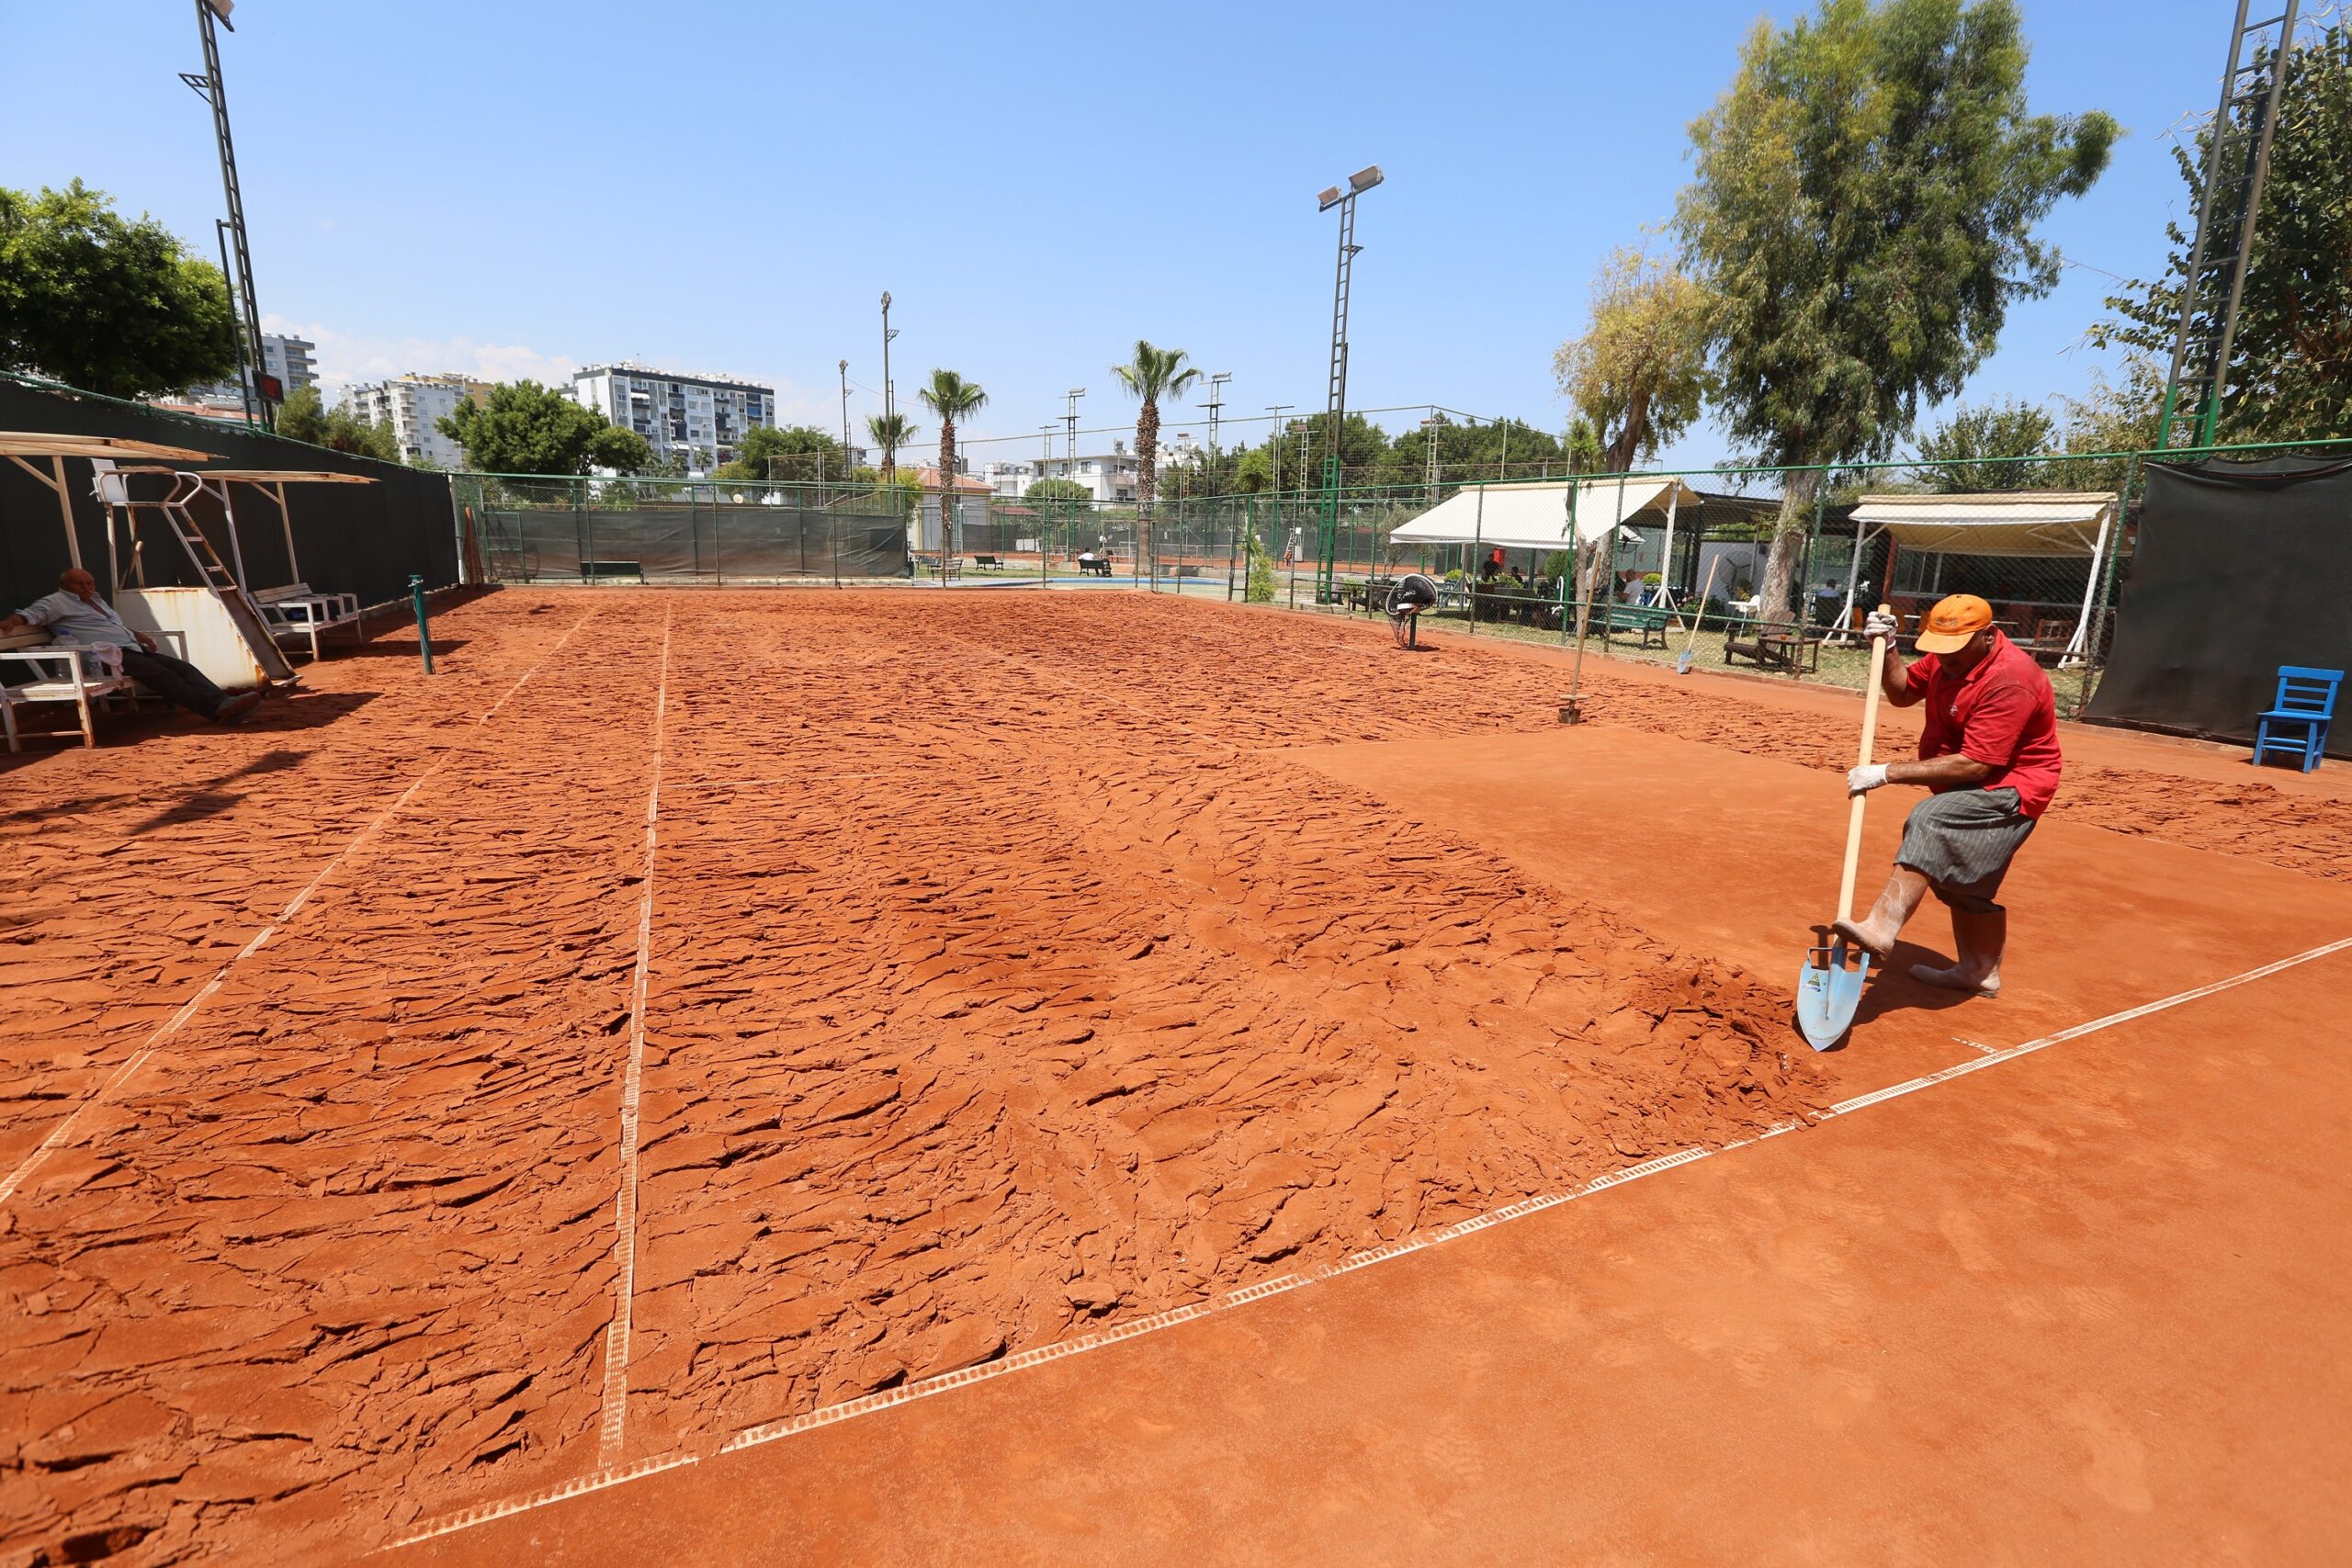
[(2217, 265)]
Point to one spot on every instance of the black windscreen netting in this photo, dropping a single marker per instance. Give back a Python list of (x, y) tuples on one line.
[(2239, 568), (717, 543)]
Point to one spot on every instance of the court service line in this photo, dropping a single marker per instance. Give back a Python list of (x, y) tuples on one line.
[(612, 1431), (768, 1432), (62, 1133)]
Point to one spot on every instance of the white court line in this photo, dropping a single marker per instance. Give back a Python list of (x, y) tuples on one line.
[(611, 1433), (753, 1437), (62, 1133)]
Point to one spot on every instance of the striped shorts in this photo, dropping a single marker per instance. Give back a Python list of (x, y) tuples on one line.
[(1961, 842)]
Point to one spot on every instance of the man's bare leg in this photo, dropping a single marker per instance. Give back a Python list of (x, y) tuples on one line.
[(1980, 936), (1896, 903)]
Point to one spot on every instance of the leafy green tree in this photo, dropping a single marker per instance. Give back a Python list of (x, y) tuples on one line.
[(793, 452), (1151, 375), (524, 428), (2289, 376), (1056, 490), (2113, 416), (305, 417), (949, 398), (1864, 210), (620, 450), (106, 304), (1639, 368), (889, 431), (1961, 449)]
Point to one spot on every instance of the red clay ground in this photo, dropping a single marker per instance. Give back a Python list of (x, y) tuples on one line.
[(1011, 975)]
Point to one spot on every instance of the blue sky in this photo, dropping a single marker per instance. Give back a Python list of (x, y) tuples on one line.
[(515, 188)]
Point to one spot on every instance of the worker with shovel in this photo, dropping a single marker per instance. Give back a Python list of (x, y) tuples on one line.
[(1989, 751)]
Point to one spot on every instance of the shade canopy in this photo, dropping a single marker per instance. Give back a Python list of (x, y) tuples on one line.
[(1534, 516), (2004, 523), (21, 443), (284, 476)]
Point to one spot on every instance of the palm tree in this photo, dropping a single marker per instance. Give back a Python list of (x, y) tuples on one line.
[(891, 431), (1154, 373), (951, 397)]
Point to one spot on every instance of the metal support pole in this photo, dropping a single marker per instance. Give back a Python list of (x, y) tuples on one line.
[(424, 631), (217, 95)]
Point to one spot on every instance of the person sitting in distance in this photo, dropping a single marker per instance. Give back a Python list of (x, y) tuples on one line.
[(76, 617)]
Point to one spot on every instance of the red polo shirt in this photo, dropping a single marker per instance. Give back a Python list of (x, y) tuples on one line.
[(2002, 714)]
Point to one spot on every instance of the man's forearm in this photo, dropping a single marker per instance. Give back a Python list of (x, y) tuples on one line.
[(1953, 769)]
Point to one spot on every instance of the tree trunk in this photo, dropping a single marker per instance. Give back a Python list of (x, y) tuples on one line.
[(947, 493), (1620, 456), (1778, 589), (1147, 480)]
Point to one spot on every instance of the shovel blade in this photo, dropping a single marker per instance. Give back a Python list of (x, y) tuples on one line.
[(1828, 993)]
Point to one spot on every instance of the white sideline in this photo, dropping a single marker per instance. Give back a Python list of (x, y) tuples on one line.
[(62, 1132), (768, 1432), (611, 1431)]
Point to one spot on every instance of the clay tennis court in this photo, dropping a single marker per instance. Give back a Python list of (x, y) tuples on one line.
[(894, 1077)]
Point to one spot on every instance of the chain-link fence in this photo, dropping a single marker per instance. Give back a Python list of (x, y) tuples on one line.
[(515, 529), (1765, 571)]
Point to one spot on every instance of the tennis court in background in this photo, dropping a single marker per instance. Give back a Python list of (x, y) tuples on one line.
[(694, 1013)]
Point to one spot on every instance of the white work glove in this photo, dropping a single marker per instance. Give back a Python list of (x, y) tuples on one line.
[(1881, 622), (1866, 778)]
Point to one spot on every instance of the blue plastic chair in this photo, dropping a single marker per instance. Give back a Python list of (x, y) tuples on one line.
[(2305, 703)]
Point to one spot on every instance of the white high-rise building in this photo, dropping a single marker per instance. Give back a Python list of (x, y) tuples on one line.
[(288, 358), (702, 416), (412, 405), (291, 360)]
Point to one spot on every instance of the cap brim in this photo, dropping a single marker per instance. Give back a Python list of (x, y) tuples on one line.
[(1943, 642)]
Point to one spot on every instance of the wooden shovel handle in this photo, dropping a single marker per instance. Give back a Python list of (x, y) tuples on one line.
[(1869, 740)]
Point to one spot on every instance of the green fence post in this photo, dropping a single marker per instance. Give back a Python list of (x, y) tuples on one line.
[(424, 631), (2094, 634)]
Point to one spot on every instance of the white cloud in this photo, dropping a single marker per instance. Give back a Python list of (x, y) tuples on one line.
[(346, 358)]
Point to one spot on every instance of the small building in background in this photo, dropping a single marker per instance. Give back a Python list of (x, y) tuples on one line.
[(412, 405)]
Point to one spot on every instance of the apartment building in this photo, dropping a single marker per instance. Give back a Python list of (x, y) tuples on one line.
[(702, 416), (290, 359), (412, 405), (1110, 477)]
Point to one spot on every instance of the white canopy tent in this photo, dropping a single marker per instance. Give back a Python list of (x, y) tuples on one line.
[(2031, 524), (1536, 516)]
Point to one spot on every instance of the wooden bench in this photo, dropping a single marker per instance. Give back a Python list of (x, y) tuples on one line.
[(1773, 645), (71, 675), (1645, 621), (988, 563), (1094, 566), (295, 611)]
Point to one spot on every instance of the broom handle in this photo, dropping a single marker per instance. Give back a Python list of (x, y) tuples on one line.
[(1705, 588), (1854, 817)]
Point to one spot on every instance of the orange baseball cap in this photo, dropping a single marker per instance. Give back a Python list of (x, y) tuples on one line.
[(1953, 622)]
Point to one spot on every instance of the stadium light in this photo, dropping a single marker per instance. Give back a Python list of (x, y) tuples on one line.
[(1362, 180)]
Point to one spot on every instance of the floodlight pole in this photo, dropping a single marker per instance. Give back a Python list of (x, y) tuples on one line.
[(845, 419), (1215, 401), (889, 400), (1429, 425), (1274, 441), (210, 86), (1326, 547)]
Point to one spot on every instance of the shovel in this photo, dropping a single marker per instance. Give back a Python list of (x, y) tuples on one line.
[(1827, 991)]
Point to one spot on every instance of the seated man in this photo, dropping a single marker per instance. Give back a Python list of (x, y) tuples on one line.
[(1989, 752), (76, 617)]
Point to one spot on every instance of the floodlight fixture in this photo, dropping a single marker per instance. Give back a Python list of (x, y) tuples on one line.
[(1364, 179), (221, 8), (1330, 199)]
